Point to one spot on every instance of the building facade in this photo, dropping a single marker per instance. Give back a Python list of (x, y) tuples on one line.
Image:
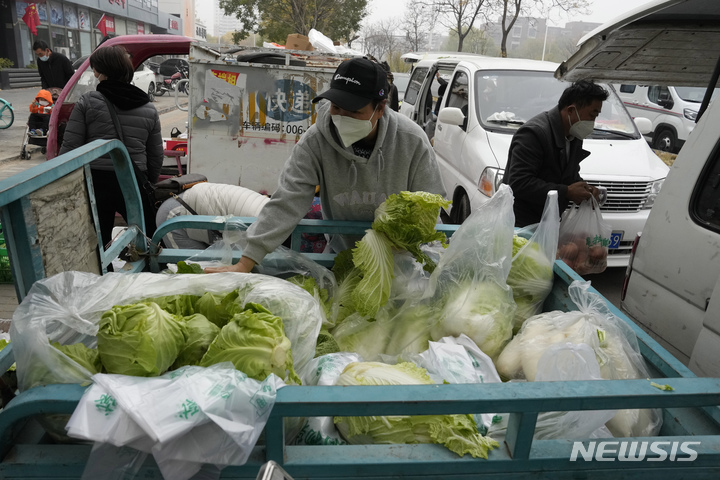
[(71, 26), (224, 23)]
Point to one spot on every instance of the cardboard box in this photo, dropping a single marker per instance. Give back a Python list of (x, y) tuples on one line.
[(295, 41)]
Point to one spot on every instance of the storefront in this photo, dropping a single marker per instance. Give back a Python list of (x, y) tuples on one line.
[(74, 28)]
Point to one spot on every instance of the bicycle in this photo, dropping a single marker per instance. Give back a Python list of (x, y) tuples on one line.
[(7, 114)]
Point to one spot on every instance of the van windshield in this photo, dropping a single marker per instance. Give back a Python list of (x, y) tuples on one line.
[(508, 98), (694, 94)]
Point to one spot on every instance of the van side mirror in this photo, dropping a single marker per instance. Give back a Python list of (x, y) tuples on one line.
[(665, 101), (644, 125), (452, 116)]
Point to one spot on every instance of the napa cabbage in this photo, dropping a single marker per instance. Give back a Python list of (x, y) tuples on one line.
[(530, 277), (458, 433)]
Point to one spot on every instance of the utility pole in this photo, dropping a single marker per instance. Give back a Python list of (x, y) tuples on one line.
[(547, 20)]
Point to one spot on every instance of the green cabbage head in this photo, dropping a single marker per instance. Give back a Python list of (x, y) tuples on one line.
[(255, 342), (140, 339)]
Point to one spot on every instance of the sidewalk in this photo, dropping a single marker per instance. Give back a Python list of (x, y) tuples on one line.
[(10, 164)]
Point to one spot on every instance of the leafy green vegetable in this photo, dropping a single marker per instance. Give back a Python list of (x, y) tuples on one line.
[(366, 337), (457, 432), (218, 308), (310, 285), (88, 358), (184, 267), (255, 342), (199, 334), (4, 343), (408, 220), (531, 279), (326, 343), (666, 387), (182, 305), (410, 329), (481, 310), (140, 339), (373, 257)]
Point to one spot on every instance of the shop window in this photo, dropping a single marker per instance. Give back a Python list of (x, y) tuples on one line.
[(56, 14)]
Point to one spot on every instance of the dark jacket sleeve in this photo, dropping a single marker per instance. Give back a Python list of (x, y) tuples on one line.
[(394, 100), (75, 132), (43, 71), (155, 152)]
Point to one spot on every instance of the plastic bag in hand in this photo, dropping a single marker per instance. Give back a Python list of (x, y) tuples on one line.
[(584, 238)]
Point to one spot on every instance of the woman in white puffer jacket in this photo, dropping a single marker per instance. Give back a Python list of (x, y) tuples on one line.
[(208, 199)]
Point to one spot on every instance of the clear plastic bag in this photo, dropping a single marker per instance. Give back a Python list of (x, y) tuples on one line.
[(612, 340), (584, 238), (531, 275), (67, 307), (470, 281)]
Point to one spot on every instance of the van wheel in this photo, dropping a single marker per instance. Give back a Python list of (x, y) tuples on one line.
[(461, 210), (665, 140)]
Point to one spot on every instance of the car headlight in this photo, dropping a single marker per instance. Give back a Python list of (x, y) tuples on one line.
[(690, 114), (654, 190), (490, 180)]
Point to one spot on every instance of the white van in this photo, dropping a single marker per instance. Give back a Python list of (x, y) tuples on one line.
[(672, 111), (672, 286), (488, 98)]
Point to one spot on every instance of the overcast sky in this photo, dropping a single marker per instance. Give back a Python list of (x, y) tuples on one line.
[(602, 10)]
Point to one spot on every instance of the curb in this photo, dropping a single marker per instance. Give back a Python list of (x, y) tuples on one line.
[(16, 157)]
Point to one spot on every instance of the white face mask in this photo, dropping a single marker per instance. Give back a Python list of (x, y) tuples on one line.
[(351, 129), (45, 58), (582, 128)]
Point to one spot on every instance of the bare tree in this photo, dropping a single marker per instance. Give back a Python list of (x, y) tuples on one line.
[(458, 16), (381, 39), (510, 10), (419, 22)]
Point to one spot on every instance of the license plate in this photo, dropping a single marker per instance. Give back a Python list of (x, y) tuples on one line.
[(615, 238)]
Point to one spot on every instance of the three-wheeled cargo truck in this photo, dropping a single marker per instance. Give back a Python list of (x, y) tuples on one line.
[(39, 241)]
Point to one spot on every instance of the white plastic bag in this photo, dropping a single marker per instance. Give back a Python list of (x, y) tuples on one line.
[(612, 340), (584, 238), (323, 370), (185, 418), (67, 308)]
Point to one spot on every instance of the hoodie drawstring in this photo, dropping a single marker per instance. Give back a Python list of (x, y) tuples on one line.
[(352, 174), (381, 163)]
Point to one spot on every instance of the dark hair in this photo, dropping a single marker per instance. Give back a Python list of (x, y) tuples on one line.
[(41, 44), (113, 62), (582, 93)]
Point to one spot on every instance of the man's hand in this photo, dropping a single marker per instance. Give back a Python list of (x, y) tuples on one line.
[(578, 192), (245, 265)]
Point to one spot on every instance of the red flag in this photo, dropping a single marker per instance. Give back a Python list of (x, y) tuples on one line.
[(31, 18), (101, 26)]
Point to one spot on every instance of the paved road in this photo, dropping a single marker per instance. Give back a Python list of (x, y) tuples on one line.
[(11, 139)]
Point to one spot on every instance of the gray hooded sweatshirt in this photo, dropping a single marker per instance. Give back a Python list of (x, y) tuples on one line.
[(351, 187)]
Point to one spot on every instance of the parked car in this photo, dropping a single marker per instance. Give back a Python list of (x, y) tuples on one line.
[(143, 78), (672, 285), (672, 111), (401, 81), (486, 101)]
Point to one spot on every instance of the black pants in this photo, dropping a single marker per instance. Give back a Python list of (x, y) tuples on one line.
[(38, 120), (110, 199)]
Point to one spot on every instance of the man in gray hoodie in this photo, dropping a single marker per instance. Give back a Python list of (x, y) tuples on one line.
[(358, 151)]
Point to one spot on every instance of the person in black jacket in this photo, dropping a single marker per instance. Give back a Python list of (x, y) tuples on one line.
[(545, 153), (54, 68), (91, 120)]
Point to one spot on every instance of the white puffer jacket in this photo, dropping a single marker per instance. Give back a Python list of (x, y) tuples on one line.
[(212, 199)]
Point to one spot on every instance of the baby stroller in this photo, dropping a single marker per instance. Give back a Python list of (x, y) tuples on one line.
[(37, 124)]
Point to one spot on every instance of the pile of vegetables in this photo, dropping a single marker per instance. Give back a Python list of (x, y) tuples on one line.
[(143, 339)]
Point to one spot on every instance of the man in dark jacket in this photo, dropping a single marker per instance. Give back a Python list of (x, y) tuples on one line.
[(54, 68), (545, 153)]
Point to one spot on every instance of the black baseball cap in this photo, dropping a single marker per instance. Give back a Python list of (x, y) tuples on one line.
[(355, 83)]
